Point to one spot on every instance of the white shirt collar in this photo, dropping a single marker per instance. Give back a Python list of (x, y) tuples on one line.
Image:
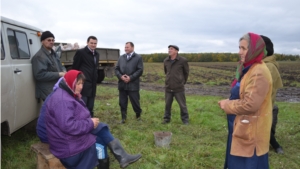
[(91, 49), (130, 53)]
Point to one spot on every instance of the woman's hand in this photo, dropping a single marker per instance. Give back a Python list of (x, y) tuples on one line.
[(96, 121), (222, 103)]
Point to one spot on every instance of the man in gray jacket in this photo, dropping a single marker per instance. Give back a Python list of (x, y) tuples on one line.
[(46, 67), (128, 70), (177, 71)]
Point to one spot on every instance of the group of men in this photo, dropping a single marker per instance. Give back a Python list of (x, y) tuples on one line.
[(47, 69)]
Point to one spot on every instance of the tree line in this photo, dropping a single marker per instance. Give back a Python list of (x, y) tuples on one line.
[(211, 57)]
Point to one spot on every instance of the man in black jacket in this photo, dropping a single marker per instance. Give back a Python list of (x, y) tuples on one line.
[(177, 71), (128, 70), (86, 60)]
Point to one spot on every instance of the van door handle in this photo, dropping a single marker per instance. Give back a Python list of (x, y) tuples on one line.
[(17, 70)]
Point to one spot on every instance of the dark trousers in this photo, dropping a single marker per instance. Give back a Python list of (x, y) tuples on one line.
[(89, 102), (103, 137), (273, 140), (180, 98), (134, 97)]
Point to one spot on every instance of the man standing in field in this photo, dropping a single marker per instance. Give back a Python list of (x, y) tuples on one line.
[(177, 71), (128, 70), (270, 61), (86, 60), (46, 67)]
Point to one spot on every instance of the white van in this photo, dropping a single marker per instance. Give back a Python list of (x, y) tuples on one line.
[(19, 43)]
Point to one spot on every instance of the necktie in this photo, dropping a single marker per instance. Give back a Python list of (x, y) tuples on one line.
[(94, 56), (128, 56)]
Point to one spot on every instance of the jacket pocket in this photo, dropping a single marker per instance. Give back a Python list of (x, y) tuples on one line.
[(243, 129)]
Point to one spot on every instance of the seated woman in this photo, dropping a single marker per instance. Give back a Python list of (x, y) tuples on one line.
[(249, 108), (65, 124)]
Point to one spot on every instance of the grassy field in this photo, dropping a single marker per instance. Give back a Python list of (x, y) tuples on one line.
[(200, 145)]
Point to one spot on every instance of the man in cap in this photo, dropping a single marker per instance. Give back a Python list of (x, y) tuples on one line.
[(270, 61), (129, 69), (46, 67), (177, 71), (87, 61)]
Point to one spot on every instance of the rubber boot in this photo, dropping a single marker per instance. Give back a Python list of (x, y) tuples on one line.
[(103, 163), (124, 115), (120, 154)]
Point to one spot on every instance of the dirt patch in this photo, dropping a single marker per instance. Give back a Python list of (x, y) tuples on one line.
[(290, 94)]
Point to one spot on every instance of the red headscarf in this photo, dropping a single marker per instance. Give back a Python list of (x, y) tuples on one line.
[(256, 52), (71, 79)]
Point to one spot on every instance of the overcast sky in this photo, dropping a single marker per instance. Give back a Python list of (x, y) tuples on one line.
[(193, 25)]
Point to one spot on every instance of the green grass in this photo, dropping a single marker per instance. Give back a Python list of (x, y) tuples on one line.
[(200, 145)]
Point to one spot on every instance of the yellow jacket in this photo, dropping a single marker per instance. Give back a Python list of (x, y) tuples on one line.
[(273, 66), (252, 125)]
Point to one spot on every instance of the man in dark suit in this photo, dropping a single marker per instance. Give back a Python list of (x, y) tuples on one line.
[(86, 60), (128, 70)]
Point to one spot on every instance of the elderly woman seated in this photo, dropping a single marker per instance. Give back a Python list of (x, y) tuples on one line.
[(65, 124)]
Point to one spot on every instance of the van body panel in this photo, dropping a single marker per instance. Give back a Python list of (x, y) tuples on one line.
[(18, 103), (7, 89)]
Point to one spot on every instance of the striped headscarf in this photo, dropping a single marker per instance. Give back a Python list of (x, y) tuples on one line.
[(256, 52)]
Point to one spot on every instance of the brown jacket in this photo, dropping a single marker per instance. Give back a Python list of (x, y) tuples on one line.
[(177, 73), (252, 125)]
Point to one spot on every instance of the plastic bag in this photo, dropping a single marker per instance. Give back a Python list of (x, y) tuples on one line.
[(100, 151)]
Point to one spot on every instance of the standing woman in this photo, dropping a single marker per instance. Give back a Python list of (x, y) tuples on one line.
[(249, 108)]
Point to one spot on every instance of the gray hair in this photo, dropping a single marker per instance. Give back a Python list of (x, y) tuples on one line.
[(246, 37)]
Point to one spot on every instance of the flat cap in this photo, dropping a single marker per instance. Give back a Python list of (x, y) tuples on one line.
[(174, 46)]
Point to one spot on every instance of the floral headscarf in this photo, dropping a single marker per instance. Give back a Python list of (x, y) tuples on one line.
[(256, 52), (71, 79)]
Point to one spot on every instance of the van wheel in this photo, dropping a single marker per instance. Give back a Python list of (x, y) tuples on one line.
[(100, 76)]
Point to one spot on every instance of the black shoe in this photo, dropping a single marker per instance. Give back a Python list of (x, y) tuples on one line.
[(138, 116), (124, 115), (120, 154), (165, 122), (185, 123), (123, 121), (279, 150), (103, 163)]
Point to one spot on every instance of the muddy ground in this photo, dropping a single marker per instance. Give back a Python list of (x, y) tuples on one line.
[(290, 94)]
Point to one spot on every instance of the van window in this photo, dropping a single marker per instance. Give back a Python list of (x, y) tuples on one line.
[(2, 50), (18, 44)]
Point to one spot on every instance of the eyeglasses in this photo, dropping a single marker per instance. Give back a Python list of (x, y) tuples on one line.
[(50, 40)]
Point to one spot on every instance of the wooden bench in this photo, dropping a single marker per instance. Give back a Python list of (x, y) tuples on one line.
[(45, 159)]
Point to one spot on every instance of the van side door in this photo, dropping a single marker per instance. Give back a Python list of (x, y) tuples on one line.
[(7, 87), (26, 106)]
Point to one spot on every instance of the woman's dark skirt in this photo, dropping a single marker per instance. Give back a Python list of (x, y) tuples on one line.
[(236, 162), (86, 159)]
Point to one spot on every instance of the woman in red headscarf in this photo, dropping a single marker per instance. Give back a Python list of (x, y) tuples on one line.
[(249, 108), (72, 133)]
